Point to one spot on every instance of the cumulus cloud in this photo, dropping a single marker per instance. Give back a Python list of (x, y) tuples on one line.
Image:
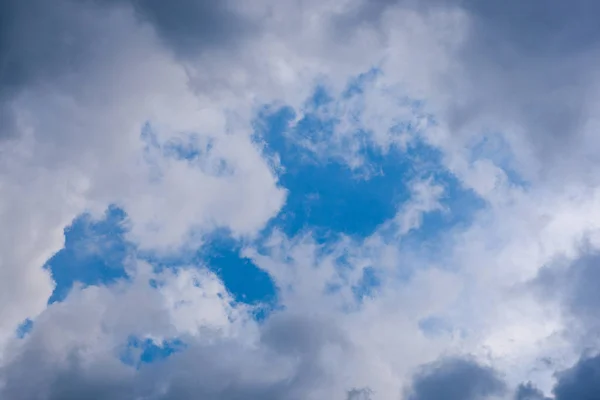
[(190, 26), (520, 68), (227, 354), (529, 392), (151, 106), (580, 381), (577, 382), (80, 80), (456, 379)]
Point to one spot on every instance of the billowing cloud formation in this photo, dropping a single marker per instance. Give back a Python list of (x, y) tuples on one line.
[(456, 379), (81, 87), (529, 392), (579, 382), (190, 26), (465, 379), (197, 119), (522, 67), (359, 394)]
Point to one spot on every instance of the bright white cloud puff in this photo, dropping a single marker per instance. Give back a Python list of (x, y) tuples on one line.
[(333, 199)]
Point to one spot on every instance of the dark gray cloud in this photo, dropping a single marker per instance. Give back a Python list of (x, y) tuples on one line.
[(535, 27), (286, 367), (580, 289), (42, 42), (525, 64), (38, 41), (37, 375), (528, 391), (455, 379), (574, 285), (360, 394), (529, 63), (187, 26), (538, 27), (581, 382)]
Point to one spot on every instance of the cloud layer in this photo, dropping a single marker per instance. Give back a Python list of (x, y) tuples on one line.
[(417, 179)]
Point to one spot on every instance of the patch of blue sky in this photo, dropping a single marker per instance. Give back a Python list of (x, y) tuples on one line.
[(328, 197), (221, 254), (243, 279), (94, 253), (139, 351)]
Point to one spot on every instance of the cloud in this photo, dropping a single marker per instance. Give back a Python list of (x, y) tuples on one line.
[(359, 394), (579, 382), (456, 379), (227, 355), (569, 282), (151, 107), (529, 392), (519, 69), (79, 105), (190, 26)]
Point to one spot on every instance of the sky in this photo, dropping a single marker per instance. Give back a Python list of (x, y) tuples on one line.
[(299, 200)]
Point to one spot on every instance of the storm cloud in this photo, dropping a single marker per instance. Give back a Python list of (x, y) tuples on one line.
[(456, 379)]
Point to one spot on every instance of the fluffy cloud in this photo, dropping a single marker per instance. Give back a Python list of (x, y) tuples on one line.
[(580, 381), (152, 106), (456, 379), (79, 109), (522, 69), (529, 392)]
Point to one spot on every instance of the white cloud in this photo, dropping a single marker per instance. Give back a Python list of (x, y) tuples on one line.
[(75, 146), (79, 149)]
